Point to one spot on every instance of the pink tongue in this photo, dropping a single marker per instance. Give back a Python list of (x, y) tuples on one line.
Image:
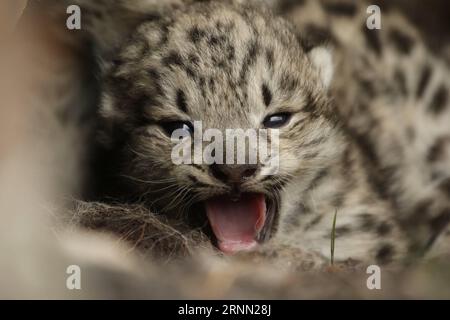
[(236, 224)]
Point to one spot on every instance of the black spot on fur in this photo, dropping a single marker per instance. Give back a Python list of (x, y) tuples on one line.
[(347, 161), (173, 59), (338, 200), (266, 179), (222, 64), (311, 155), (399, 78), (366, 145), (341, 9), (437, 150), (444, 186), (310, 105), (267, 95), (372, 39), (314, 222), (164, 33), (318, 178), (368, 87), (231, 53), (402, 41), (288, 5), (154, 74), (214, 41), (198, 167), (192, 178), (156, 77), (270, 57), (193, 59), (439, 222), (439, 101), (314, 142), (190, 72), (212, 84), (117, 62), (341, 231), (424, 79), (202, 85), (304, 210), (367, 221), (249, 60), (139, 102), (383, 229), (253, 51), (196, 34), (421, 211), (384, 254), (181, 101), (314, 36)]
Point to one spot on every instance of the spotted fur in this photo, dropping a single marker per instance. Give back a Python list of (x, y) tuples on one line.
[(370, 144), (392, 94)]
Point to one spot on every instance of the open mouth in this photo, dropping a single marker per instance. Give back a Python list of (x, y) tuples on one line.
[(242, 224)]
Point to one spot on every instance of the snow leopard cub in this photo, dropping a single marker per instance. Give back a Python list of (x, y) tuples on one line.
[(234, 64)]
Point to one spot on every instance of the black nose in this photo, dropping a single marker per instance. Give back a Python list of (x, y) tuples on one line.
[(235, 173)]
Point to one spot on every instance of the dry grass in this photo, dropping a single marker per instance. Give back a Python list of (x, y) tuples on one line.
[(140, 229)]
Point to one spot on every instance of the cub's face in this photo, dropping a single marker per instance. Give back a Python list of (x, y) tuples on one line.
[(220, 67)]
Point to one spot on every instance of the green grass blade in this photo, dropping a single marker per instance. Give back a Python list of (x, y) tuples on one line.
[(333, 236)]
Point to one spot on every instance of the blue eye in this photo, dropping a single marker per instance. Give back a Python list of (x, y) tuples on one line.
[(170, 127), (277, 120)]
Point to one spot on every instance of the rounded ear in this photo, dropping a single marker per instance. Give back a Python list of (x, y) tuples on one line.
[(322, 59)]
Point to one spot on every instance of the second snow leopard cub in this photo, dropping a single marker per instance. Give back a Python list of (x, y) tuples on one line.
[(234, 64)]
